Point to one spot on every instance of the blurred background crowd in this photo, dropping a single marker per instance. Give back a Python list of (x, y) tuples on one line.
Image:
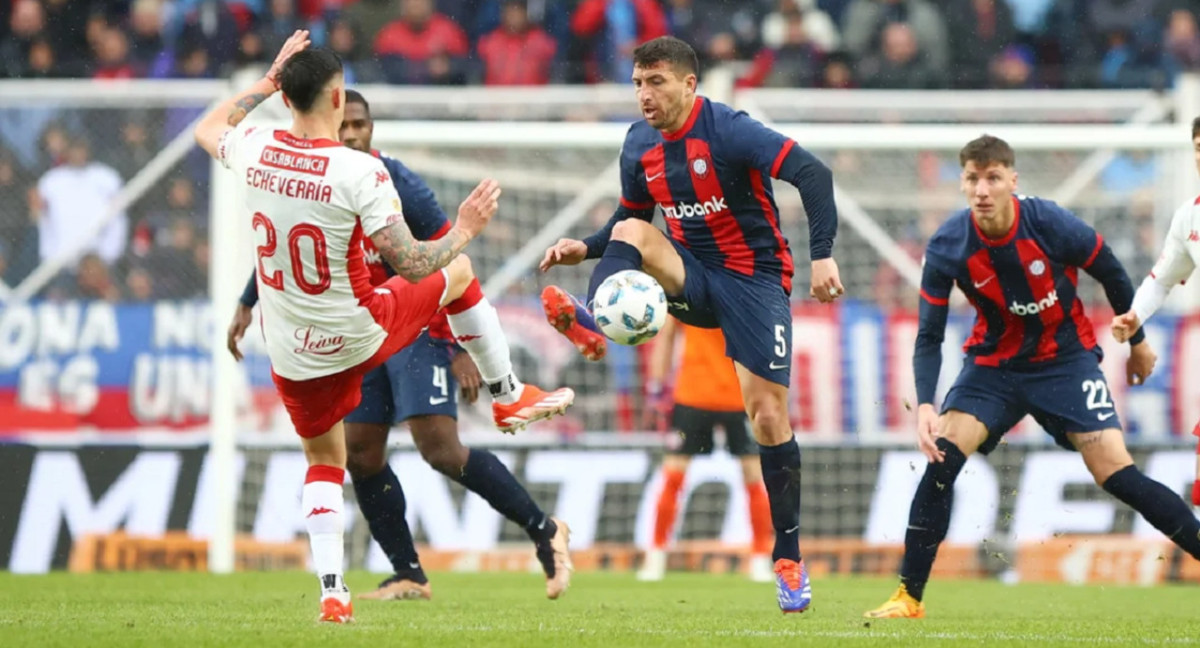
[(784, 43)]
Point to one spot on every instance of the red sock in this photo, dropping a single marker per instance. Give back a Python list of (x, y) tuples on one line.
[(760, 518), (668, 506), (1196, 484), (471, 296)]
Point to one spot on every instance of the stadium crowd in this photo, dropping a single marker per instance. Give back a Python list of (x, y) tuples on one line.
[(781, 43)]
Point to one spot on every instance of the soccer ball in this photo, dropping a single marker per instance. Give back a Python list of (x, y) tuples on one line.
[(630, 307)]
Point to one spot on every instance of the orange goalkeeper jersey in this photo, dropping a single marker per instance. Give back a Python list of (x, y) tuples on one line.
[(706, 379)]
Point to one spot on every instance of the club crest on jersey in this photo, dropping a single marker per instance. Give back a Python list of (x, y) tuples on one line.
[(1194, 236), (1037, 267), (700, 166)]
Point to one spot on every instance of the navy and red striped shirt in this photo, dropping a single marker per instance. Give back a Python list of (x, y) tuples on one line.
[(712, 180), (1024, 288)]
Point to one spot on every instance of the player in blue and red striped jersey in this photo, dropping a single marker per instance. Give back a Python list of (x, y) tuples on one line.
[(419, 385), (725, 264), (1032, 352)]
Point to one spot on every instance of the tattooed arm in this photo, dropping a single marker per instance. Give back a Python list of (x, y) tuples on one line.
[(229, 114), (412, 259), (232, 111)]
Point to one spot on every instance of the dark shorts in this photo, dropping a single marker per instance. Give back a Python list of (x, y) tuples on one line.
[(414, 382), (754, 314), (696, 427), (1063, 397)]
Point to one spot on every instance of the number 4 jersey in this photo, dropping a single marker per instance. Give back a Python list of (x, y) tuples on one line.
[(311, 203)]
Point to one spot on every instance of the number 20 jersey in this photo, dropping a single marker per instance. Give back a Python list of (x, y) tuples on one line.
[(311, 203)]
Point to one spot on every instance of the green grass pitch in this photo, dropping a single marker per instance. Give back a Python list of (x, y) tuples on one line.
[(279, 609)]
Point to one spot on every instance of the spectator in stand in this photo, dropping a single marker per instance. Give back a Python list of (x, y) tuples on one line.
[(112, 55), (16, 225), (43, 62), (552, 16), (344, 42), (835, 9), (787, 60), (838, 73), (146, 34), (52, 146), (721, 49), (250, 51), (1013, 69), (1067, 53), (1181, 43), (139, 284), (517, 52), (93, 281), (866, 21), (1130, 42), (982, 29), (422, 47), (607, 31), (172, 263), (1126, 63), (26, 22), (192, 61), (367, 18), (1029, 17), (819, 29), (70, 198), (213, 25), (66, 28), (279, 23), (901, 64)]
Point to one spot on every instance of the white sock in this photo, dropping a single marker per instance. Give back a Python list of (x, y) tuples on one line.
[(322, 501), (478, 330)]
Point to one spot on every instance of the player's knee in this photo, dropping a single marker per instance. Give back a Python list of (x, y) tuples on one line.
[(364, 460), (459, 274), (444, 455), (1102, 469), (632, 231), (770, 422)]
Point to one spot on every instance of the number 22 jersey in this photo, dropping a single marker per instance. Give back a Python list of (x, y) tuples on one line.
[(310, 204)]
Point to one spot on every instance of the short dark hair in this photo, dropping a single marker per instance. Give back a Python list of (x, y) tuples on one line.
[(667, 49), (986, 150), (1195, 127), (306, 74), (354, 96)]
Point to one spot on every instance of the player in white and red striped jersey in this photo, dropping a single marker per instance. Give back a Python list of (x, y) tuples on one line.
[(311, 202), (1179, 259)]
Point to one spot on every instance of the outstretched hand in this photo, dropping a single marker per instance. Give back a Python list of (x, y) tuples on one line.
[(478, 209), (565, 252), (297, 42)]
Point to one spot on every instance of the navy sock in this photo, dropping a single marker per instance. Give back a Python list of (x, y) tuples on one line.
[(618, 256), (1162, 507), (485, 476), (781, 475), (382, 503), (929, 518)]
